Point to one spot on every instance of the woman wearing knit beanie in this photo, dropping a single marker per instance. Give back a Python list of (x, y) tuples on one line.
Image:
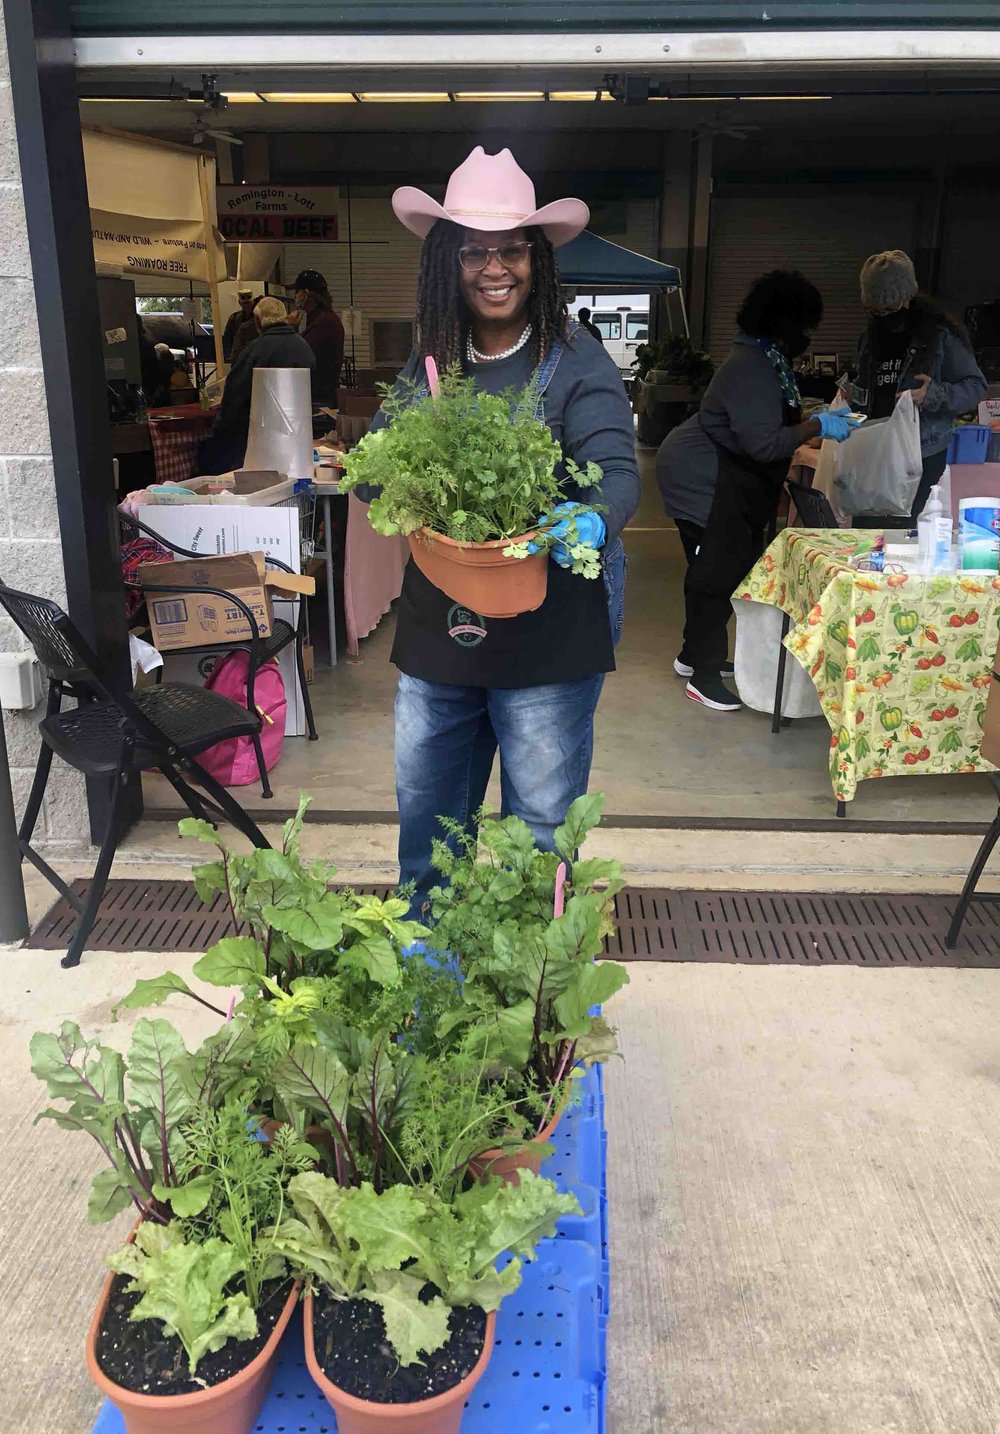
[(911, 343)]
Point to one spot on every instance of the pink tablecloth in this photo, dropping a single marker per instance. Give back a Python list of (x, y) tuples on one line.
[(373, 573)]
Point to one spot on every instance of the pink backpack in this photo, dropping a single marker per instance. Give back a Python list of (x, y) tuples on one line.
[(233, 762)]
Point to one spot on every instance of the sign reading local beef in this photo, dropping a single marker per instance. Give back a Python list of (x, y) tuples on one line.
[(277, 213)]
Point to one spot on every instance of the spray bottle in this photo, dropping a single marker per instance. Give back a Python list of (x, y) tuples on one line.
[(934, 535)]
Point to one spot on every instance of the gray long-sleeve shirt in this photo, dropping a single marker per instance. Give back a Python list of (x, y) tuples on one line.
[(743, 411)]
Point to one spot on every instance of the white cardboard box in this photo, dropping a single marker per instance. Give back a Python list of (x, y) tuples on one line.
[(228, 529)]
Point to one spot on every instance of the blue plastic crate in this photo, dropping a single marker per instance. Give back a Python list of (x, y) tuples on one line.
[(969, 444)]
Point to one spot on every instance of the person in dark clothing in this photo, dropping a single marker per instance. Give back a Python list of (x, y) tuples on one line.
[(155, 383), (583, 315), (278, 346), (236, 319), (720, 474), (912, 344), (324, 333), (489, 301)]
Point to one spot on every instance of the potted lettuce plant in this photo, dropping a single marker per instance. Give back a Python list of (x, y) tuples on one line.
[(187, 1326), (472, 481), (402, 1289)]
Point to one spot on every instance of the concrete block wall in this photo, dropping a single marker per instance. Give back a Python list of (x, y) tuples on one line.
[(30, 550)]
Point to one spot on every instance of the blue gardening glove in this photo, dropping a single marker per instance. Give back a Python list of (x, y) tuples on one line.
[(590, 527), (837, 423)]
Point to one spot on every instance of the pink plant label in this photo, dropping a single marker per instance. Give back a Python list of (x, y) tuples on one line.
[(559, 905), (433, 382)]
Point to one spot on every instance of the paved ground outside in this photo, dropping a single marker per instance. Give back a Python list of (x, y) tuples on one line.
[(804, 1165)]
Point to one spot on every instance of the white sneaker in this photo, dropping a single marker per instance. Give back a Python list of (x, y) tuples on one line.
[(683, 670)]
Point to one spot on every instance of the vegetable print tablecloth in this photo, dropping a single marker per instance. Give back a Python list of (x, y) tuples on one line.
[(901, 662)]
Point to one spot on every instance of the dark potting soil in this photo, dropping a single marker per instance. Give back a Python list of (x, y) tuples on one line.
[(140, 1357), (354, 1354)]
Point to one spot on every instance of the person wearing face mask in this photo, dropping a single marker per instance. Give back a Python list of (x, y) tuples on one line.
[(721, 472), (323, 332), (912, 344)]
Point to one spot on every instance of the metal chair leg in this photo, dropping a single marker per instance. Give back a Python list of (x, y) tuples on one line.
[(34, 803), (306, 699), (986, 846), (100, 878), (231, 808), (265, 784), (779, 686), (188, 795)]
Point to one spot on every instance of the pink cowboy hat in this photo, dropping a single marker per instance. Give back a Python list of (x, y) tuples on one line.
[(490, 192)]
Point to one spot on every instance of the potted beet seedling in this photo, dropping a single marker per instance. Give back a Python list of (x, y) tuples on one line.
[(472, 480), (526, 928), (403, 1287), (187, 1326)]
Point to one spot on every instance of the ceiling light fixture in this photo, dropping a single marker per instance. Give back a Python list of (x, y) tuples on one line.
[(306, 97), (500, 96), (780, 99), (243, 97), (405, 97), (582, 96)]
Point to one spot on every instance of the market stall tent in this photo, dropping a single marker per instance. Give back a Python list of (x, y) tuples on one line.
[(591, 262)]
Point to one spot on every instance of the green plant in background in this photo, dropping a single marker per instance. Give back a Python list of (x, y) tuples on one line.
[(530, 979), (387, 1248), (299, 930), (677, 356), (473, 466)]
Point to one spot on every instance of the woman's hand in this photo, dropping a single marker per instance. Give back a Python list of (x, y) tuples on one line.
[(919, 393), (591, 532)]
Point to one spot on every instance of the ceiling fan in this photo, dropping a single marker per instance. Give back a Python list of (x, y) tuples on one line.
[(202, 130), (726, 127)]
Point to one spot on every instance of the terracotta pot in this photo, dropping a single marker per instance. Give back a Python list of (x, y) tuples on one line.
[(478, 576), (508, 1167), (440, 1415), (227, 1408)]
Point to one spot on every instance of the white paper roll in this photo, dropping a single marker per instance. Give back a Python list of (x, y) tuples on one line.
[(281, 422)]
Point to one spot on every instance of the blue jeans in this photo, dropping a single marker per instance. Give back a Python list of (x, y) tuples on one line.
[(447, 737)]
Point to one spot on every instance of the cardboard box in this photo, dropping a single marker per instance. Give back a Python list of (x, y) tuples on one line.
[(991, 718), (190, 618), (224, 529)]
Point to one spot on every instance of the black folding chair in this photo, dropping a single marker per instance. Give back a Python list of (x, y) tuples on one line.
[(812, 506), (969, 892), (115, 737), (281, 636)]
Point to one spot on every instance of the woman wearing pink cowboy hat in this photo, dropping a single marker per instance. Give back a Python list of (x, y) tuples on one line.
[(489, 300)]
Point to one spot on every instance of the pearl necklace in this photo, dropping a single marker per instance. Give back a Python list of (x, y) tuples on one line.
[(476, 357)]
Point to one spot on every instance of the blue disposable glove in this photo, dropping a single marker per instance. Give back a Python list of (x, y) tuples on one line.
[(590, 528), (837, 423)]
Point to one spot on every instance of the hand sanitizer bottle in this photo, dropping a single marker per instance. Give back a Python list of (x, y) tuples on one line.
[(934, 535)]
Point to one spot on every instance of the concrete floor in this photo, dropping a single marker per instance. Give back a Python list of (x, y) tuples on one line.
[(803, 1173), (656, 754)]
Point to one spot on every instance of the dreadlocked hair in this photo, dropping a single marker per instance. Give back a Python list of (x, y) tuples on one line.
[(443, 318)]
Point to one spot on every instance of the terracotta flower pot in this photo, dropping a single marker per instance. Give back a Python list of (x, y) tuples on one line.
[(440, 1415), (478, 576), (227, 1408), (531, 1157)]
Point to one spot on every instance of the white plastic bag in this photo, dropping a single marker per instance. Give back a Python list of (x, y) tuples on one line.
[(758, 643), (878, 468)]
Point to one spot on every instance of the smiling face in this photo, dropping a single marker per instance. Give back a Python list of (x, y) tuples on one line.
[(498, 294)]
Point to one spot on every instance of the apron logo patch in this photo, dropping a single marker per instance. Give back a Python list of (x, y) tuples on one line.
[(464, 626)]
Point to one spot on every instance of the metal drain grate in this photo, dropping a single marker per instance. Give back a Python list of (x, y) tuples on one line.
[(800, 928), (653, 924)]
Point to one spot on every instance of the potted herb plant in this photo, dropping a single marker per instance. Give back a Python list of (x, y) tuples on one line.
[(471, 480), (671, 376), (187, 1327), (402, 1291), (531, 981)]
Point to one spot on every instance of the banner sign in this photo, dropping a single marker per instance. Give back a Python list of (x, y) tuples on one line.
[(150, 246), (277, 213)]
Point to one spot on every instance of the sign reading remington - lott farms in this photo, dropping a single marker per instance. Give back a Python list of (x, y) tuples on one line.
[(277, 213)]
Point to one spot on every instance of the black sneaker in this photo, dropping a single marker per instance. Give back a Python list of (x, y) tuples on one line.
[(684, 669), (710, 690)]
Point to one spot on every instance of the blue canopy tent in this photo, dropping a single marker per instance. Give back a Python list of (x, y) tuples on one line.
[(589, 262)]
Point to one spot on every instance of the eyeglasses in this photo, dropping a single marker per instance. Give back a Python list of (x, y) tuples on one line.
[(476, 256)]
